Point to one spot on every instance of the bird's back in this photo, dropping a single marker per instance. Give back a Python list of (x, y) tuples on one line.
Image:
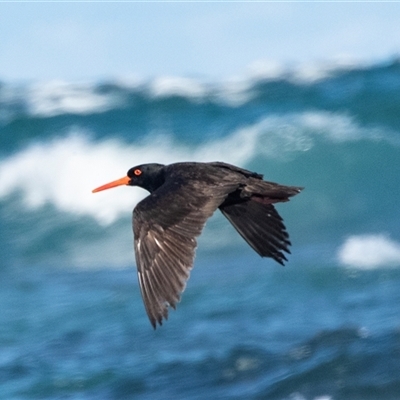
[(211, 173)]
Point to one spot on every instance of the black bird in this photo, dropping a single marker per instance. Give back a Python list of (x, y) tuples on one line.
[(182, 197)]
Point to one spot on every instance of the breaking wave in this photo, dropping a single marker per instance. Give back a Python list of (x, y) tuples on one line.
[(369, 251), (333, 133)]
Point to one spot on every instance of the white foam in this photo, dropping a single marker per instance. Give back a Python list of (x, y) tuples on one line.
[(300, 396), (280, 135), (57, 97), (171, 85), (304, 73), (236, 90), (62, 172), (308, 73), (266, 70), (54, 98), (369, 251)]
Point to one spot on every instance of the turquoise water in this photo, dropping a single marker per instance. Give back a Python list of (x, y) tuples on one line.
[(72, 323)]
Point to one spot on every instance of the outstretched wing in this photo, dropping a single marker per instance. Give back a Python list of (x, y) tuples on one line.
[(256, 219), (261, 227), (166, 225)]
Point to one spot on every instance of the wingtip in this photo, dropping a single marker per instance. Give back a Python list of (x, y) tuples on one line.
[(154, 324), (281, 261), (159, 320)]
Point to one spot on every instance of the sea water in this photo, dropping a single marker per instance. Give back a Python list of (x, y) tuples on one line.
[(325, 326)]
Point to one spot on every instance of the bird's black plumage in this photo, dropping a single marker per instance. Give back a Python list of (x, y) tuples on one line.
[(182, 197)]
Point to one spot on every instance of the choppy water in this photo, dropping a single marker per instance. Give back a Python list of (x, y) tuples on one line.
[(326, 326)]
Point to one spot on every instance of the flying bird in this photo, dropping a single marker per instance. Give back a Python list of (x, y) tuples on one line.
[(182, 197)]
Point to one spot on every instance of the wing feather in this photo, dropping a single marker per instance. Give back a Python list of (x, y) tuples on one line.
[(166, 225), (261, 226)]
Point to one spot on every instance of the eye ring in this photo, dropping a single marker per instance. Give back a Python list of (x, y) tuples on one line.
[(137, 172)]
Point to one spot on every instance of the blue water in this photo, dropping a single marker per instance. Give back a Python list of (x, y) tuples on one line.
[(325, 326)]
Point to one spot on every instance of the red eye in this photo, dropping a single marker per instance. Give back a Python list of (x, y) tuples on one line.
[(137, 172)]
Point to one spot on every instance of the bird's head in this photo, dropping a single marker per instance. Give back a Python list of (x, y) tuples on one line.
[(147, 176)]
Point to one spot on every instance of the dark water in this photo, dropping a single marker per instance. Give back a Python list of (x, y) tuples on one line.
[(326, 326)]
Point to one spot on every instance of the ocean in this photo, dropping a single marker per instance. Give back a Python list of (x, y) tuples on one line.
[(326, 326)]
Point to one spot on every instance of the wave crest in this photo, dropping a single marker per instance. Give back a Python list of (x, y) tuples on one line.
[(369, 251), (63, 171)]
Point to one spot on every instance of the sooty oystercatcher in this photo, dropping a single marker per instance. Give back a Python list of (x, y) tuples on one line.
[(182, 197)]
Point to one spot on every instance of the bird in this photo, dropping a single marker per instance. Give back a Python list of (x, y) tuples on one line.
[(182, 197)]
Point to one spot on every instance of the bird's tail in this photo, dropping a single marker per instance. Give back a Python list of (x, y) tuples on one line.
[(268, 192)]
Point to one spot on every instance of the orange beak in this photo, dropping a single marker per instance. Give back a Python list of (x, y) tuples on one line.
[(123, 181)]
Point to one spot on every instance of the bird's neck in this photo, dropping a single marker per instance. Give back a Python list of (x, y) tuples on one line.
[(154, 182)]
